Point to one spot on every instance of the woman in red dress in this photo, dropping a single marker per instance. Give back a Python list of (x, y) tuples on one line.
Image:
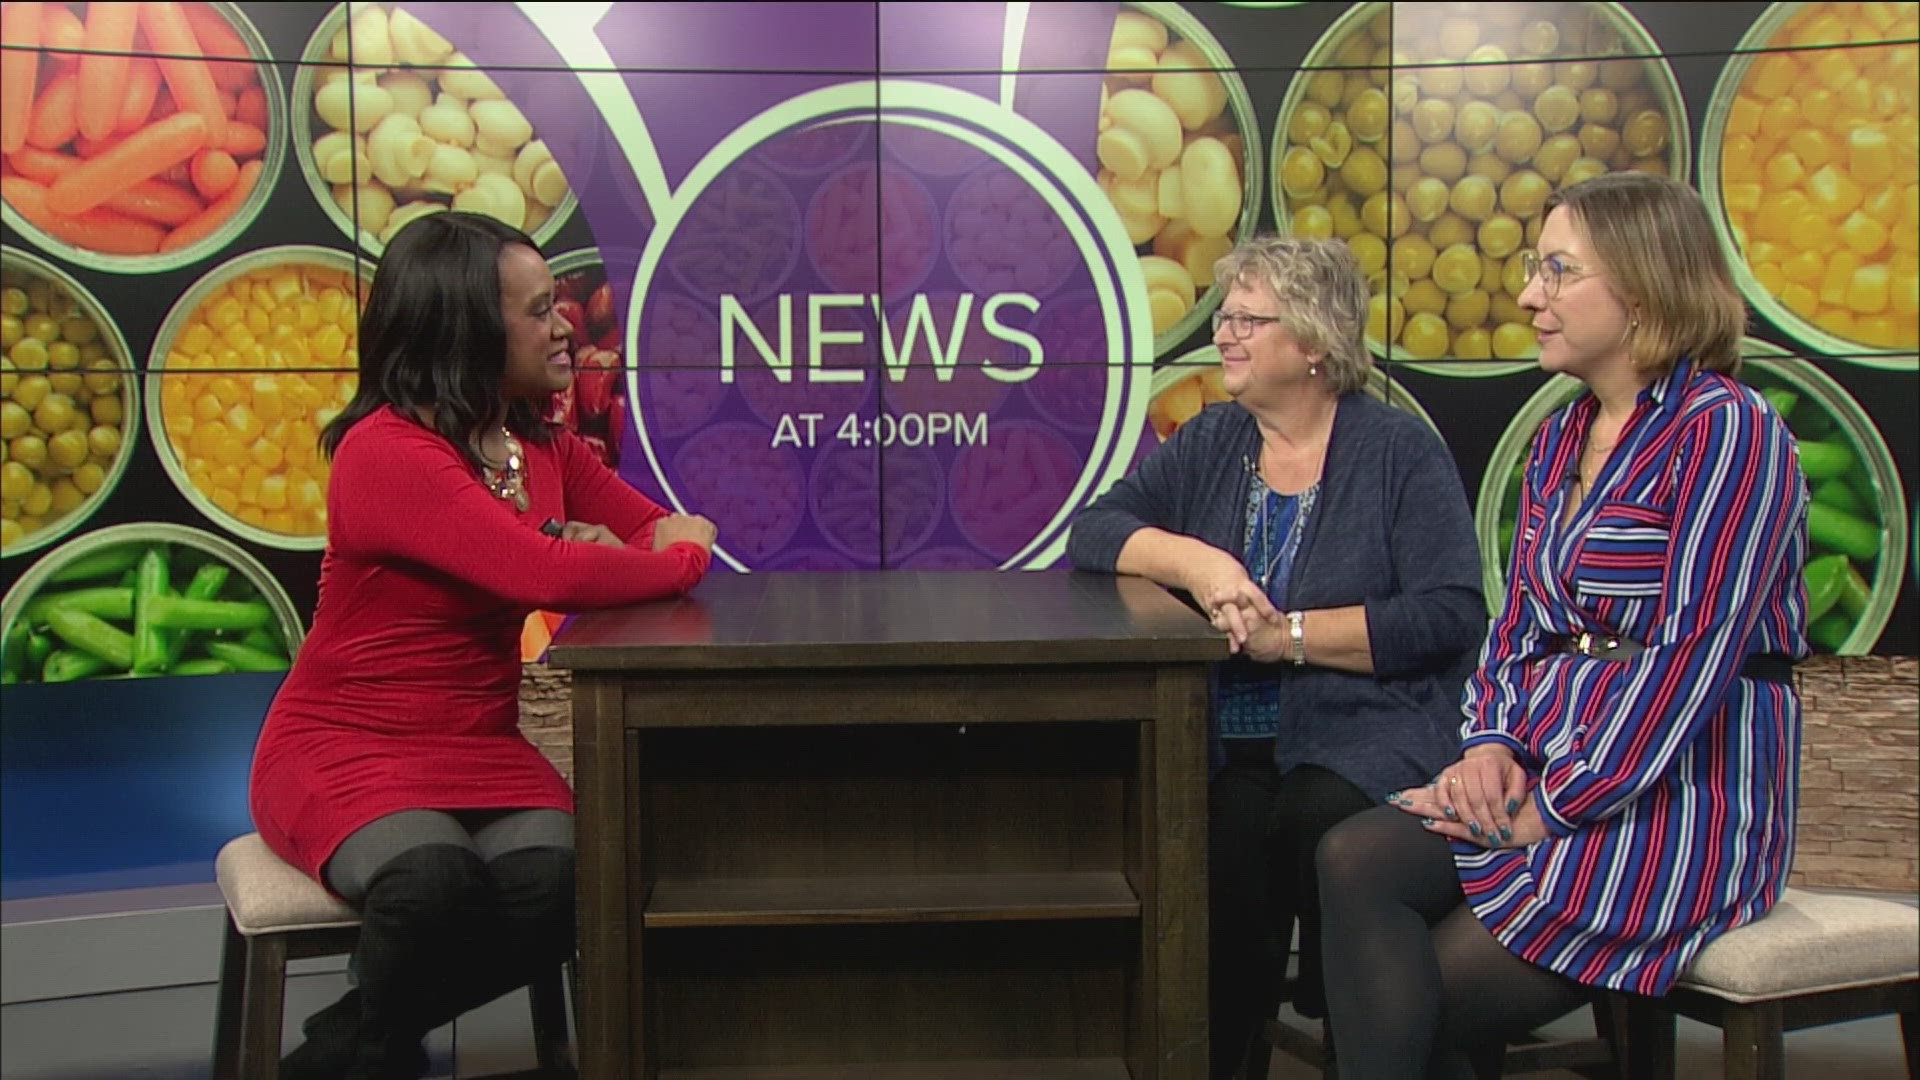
[(391, 767)]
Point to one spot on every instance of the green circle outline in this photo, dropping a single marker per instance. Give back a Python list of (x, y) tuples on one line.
[(1091, 221)]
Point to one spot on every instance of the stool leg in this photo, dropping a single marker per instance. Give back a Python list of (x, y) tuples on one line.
[(1649, 1027), (1755, 1042), (1610, 1024), (1260, 1052), (265, 1002), (230, 1006), (549, 1021), (1910, 1037), (573, 987)]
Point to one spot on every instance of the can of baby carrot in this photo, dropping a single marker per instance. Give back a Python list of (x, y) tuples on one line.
[(195, 141), (94, 576)]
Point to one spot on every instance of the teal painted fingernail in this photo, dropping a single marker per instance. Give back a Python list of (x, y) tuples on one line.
[(1513, 805), (1506, 834), (1451, 816), (1473, 827), (1393, 797), (1428, 822)]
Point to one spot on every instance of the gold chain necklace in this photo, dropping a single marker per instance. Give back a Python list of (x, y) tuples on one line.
[(509, 483)]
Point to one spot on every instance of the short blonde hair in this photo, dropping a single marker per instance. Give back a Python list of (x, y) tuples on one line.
[(1323, 299), (1656, 243)]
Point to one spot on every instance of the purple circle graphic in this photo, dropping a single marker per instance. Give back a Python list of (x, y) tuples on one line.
[(947, 558), (1071, 390), (928, 152), (679, 393), (753, 491), (810, 559), (855, 489), (1003, 237), (872, 230), (1005, 492), (814, 149), (740, 236)]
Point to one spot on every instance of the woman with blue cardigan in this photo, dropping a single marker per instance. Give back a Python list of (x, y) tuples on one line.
[(1329, 536)]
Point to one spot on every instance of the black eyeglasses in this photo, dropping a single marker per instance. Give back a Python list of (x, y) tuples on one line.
[(1242, 325), (1553, 271)]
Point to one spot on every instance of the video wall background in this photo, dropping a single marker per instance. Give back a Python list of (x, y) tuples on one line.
[(871, 285)]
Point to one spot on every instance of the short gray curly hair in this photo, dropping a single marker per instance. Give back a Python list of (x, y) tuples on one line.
[(1323, 299)]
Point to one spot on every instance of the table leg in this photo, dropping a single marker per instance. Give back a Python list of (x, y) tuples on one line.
[(601, 842), (1176, 931)]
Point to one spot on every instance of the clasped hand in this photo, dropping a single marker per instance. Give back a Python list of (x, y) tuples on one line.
[(585, 533), (1236, 605), (672, 529), (1481, 799)]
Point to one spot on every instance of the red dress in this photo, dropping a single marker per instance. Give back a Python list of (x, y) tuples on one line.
[(405, 694)]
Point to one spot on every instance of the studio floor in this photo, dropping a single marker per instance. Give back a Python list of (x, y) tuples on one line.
[(167, 1034)]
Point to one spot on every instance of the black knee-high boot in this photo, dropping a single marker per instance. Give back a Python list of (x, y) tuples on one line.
[(527, 927), (416, 925)]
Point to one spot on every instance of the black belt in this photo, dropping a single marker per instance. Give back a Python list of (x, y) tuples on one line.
[(1767, 667)]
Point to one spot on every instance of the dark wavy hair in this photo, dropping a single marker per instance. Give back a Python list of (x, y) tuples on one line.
[(432, 335)]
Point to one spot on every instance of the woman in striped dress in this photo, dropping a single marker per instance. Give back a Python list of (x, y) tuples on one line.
[(1627, 782)]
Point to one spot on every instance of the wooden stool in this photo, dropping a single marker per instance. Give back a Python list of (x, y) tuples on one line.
[(1817, 958), (275, 914)]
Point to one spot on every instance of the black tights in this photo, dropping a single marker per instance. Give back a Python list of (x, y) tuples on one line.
[(1416, 986), (1263, 829)]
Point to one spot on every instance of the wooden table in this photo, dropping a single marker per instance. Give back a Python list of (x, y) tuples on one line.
[(892, 825)]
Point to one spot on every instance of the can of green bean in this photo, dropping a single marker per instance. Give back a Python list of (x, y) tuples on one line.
[(141, 600)]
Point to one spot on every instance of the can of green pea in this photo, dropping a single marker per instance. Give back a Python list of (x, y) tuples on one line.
[(1410, 131), (101, 424)]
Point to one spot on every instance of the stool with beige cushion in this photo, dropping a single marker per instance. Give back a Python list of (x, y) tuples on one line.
[(1816, 958), (275, 914)]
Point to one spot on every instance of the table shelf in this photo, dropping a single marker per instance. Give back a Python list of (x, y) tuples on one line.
[(1002, 1069), (890, 898)]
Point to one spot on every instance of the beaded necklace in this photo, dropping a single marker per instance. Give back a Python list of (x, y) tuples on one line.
[(508, 483)]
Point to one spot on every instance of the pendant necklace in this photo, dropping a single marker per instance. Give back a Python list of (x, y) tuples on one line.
[(509, 483)]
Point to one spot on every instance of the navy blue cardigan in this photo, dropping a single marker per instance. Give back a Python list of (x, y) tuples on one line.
[(1390, 530)]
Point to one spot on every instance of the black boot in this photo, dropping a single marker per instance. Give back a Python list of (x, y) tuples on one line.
[(527, 928), (332, 1042), (332, 1035), (415, 941)]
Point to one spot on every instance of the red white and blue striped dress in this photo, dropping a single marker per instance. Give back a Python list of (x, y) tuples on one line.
[(1667, 782)]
